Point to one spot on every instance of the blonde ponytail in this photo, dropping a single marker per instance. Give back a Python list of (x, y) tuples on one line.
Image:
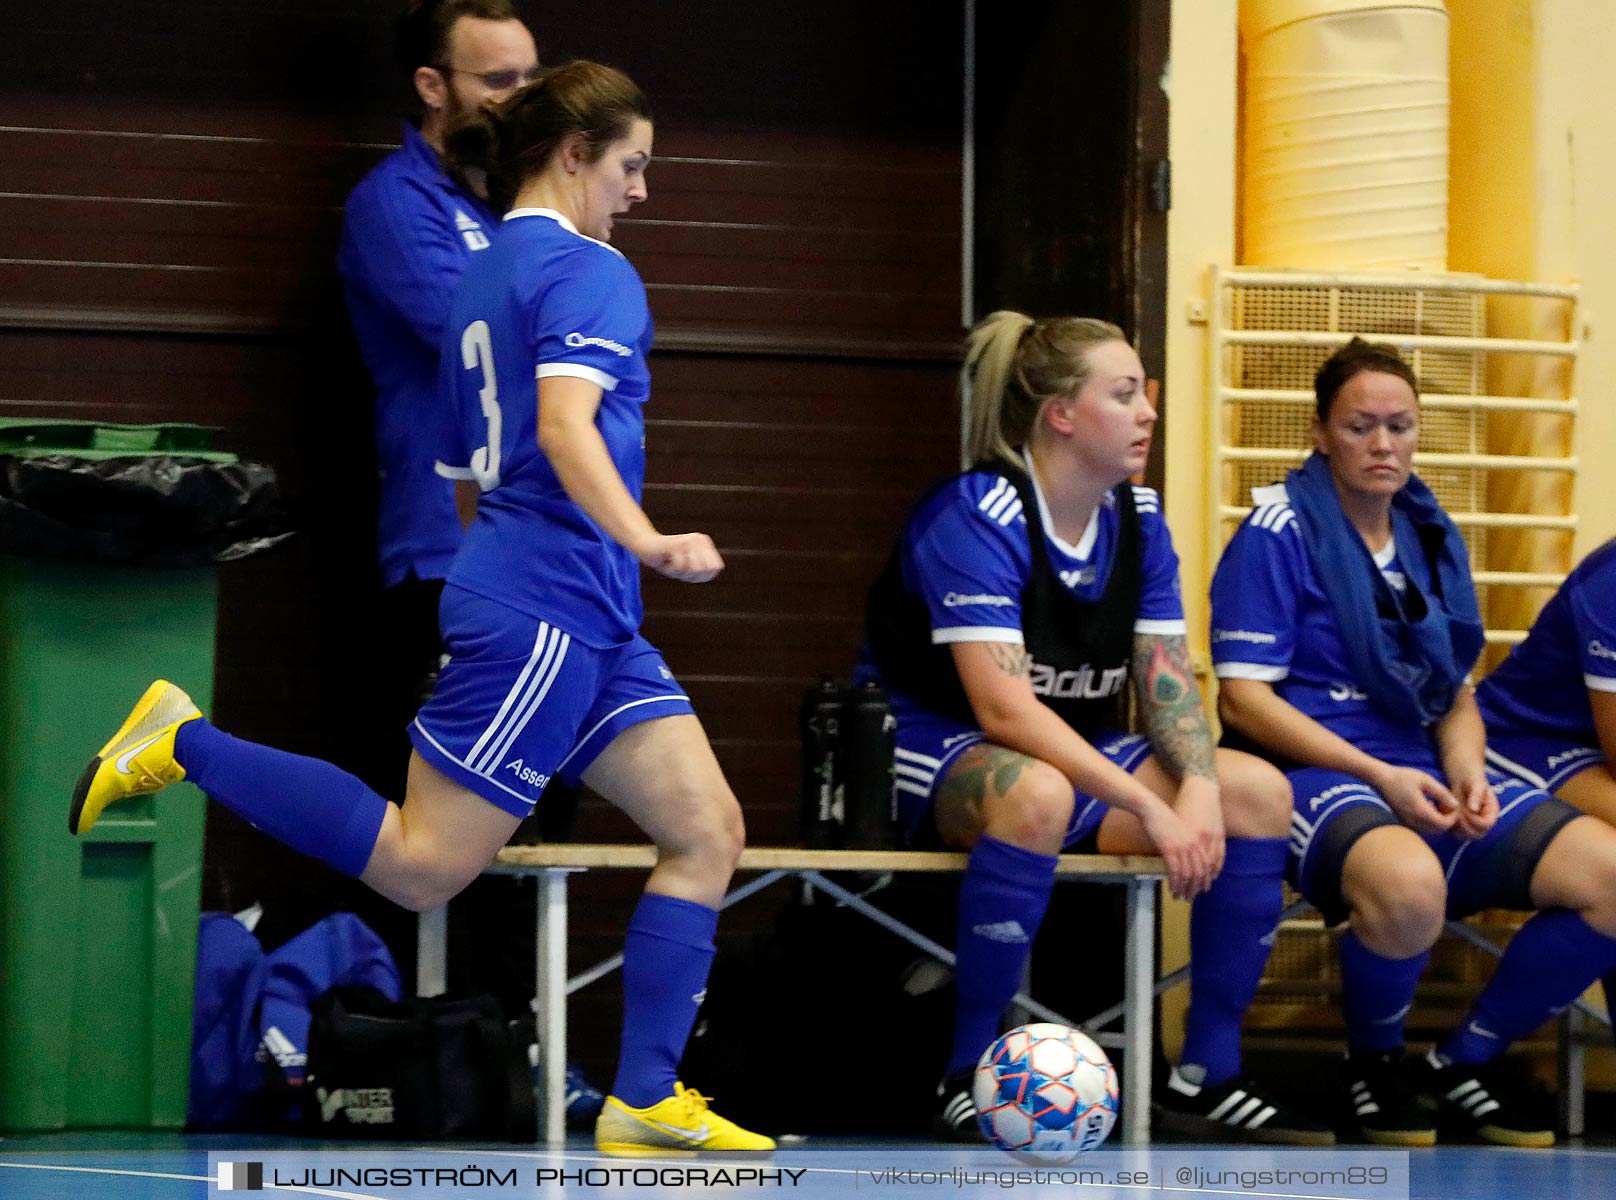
[(1015, 364)]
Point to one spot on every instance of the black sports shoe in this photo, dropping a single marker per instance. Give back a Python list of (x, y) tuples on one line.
[(1382, 1102), (954, 1118), (1485, 1102), (1234, 1110)]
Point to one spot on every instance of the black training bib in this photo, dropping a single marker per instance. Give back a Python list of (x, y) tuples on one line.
[(1081, 650)]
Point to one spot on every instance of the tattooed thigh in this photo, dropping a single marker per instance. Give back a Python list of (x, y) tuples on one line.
[(977, 776)]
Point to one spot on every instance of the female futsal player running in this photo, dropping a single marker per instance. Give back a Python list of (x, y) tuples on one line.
[(549, 674), (1021, 597), (1344, 620), (1550, 707)]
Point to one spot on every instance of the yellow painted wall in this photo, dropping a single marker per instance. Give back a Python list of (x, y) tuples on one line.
[(1200, 232), (1574, 173), (1532, 197)]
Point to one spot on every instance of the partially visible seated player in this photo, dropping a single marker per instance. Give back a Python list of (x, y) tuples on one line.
[(1023, 597), (1550, 707), (1344, 620)]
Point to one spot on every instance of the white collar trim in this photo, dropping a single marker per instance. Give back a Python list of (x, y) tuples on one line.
[(1091, 531), (561, 220)]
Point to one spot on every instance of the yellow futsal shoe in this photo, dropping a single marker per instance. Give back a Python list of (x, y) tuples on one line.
[(138, 760), (678, 1126)]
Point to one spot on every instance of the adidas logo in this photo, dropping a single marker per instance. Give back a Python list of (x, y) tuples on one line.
[(463, 222), (1363, 1101), (282, 1049), (1008, 932)]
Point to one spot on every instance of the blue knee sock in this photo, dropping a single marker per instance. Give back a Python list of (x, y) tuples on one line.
[(1376, 994), (308, 804), (1002, 901), (1549, 963), (666, 957), (1227, 952)]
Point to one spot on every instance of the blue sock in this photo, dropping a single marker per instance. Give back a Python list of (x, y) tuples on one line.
[(1376, 994), (666, 957), (308, 804), (1549, 963), (1227, 952), (1002, 901)]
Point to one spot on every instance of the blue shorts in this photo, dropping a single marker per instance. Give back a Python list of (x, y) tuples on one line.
[(519, 701), (928, 745), (1543, 760), (1494, 871)]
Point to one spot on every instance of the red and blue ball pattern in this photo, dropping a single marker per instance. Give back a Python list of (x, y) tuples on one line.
[(1046, 1090)]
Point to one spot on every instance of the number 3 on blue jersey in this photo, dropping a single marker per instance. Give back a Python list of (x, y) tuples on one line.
[(477, 353)]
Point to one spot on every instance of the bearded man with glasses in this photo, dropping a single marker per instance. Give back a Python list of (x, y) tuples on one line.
[(408, 231)]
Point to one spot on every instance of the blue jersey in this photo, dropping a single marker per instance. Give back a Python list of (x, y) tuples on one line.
[(546, 301), (965, 554), (1272, 621), (408, 232), (1543, 685)]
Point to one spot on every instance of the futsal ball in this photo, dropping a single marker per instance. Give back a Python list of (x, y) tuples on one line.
[(1045, 1090)]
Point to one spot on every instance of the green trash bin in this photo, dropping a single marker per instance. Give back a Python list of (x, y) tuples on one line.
[(97, 933)]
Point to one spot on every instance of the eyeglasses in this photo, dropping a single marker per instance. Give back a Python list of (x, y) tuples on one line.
[(495, 81)]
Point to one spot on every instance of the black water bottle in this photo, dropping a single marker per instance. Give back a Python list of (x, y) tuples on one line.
[(869, 744), (819, 722)]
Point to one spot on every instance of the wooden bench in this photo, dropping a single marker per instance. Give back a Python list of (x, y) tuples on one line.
[(553, 864)]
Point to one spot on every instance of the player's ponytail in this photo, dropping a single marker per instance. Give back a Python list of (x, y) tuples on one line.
[(507, 143), (1015, 364)]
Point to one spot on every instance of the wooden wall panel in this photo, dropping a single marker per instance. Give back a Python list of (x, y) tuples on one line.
[(171, 181)]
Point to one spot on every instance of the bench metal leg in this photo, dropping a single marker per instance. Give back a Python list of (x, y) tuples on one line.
[(432, 952), (1572, 1083), (1138, 999), (550, 955)]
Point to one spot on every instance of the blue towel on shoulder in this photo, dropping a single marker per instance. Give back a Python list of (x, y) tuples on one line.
[(1410, 665)]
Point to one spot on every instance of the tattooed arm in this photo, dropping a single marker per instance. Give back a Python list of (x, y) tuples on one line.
[(997, 682), (1170, 705), (1180, 738)]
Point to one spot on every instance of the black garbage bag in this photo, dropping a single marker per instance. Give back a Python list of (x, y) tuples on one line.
[(152, 510)]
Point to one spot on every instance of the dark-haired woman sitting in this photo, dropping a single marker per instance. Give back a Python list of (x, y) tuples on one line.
[(1344, 621)]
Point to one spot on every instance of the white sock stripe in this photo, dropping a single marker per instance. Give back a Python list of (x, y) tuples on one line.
[(530, 705), (539, 643)]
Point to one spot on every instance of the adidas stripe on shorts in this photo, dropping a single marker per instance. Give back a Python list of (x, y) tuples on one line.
[(1542, 760), (928, 744), (520, 701)]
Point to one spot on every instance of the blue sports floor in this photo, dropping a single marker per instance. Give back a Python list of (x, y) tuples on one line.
[(143, 1166)]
